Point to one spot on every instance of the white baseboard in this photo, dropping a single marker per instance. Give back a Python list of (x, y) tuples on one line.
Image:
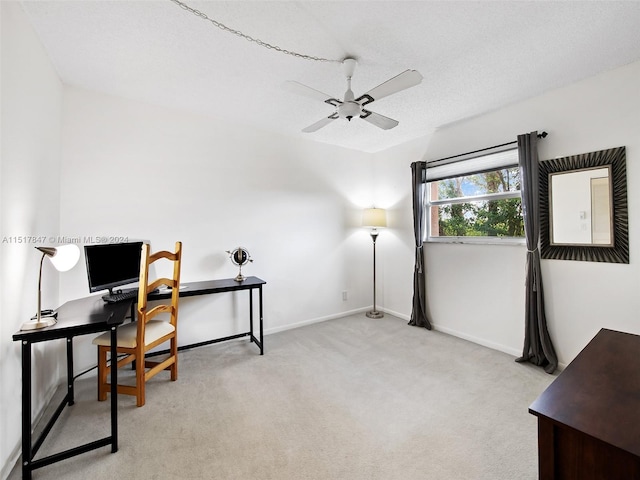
[(396, 314), (480, 341), (311, 321), (333, 317), (485, 343)]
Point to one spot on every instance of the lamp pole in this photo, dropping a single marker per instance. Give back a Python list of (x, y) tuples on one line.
[(374, 313), (50, 252), (374, 218)]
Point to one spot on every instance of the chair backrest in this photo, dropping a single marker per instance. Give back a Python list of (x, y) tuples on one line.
[(147, 286)]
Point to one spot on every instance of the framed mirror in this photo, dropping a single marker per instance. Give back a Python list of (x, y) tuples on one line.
[(583, 207)]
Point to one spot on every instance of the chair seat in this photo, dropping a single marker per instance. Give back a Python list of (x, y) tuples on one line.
[(154, 330)]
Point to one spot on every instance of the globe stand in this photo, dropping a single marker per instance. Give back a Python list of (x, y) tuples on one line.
[(240, 277)]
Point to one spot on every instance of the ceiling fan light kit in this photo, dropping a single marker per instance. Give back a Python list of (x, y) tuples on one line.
[(350, 106)]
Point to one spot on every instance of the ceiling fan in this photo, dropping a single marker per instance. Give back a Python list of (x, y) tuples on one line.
[(350, 106)]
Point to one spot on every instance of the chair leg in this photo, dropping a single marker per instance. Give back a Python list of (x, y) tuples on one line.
[(140, 380), (102, 373), (174, 353)]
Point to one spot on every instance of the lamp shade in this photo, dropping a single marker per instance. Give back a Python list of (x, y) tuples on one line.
[(64, 257), (374, 217)]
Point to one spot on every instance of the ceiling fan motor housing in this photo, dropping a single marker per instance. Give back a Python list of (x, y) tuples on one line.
[(349, 110)]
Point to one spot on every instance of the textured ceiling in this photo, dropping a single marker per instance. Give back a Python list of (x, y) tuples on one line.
[(474, 56)]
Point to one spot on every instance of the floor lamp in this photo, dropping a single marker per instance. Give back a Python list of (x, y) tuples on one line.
[(374, 218), (63, 258)]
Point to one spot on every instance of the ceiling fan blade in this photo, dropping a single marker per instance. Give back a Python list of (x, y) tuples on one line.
[(300, 89), (378, 120), (320, 123), (407, 79)]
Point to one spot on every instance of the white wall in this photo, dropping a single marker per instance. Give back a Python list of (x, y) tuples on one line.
[(477, 291), (395, 248), (134, 170), (460, 278), (31, 99)]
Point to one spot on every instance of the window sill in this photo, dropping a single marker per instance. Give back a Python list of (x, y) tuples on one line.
[(479, 240)]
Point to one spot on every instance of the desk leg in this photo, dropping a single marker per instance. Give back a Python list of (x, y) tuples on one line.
[(250, 315), (70, 389), (114, 389), (26, 410), (261, 328)]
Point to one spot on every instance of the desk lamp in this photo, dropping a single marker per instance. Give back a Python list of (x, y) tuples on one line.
[(63, 258), (374, 218)]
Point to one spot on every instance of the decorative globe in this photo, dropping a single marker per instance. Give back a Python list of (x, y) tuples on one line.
[(239, 257)]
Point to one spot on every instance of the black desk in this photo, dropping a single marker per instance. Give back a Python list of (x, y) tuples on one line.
[(77, 317), (92, 315), (207, 287)]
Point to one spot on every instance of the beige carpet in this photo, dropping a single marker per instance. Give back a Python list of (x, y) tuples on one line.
[(352, 398)]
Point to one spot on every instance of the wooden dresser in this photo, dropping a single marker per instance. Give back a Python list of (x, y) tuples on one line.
[(589, 417)]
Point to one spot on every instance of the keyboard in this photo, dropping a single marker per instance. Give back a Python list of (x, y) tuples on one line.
[(120, 296), (123, 295)]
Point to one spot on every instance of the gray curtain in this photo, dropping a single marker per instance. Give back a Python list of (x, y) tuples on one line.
[(538, 348), (419, 316)]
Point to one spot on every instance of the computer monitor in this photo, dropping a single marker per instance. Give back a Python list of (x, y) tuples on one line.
[(112, 265)]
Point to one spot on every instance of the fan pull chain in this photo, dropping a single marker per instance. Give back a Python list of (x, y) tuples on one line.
[(222, 26)]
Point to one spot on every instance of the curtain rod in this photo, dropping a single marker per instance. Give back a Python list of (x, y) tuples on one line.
[(540, 135)]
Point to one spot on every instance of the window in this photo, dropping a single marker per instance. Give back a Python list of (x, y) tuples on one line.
[(475, 199)]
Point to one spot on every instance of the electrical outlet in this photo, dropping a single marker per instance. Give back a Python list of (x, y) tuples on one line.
[(344, 295)]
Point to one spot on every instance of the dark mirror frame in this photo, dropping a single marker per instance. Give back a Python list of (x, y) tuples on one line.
[(619, 252)]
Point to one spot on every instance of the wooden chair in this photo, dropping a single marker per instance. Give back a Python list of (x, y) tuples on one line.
[(137, 338)]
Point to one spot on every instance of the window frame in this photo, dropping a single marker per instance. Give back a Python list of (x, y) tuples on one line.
[(465, 168)]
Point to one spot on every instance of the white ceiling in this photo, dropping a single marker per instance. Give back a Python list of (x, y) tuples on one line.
[(474, 56)]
